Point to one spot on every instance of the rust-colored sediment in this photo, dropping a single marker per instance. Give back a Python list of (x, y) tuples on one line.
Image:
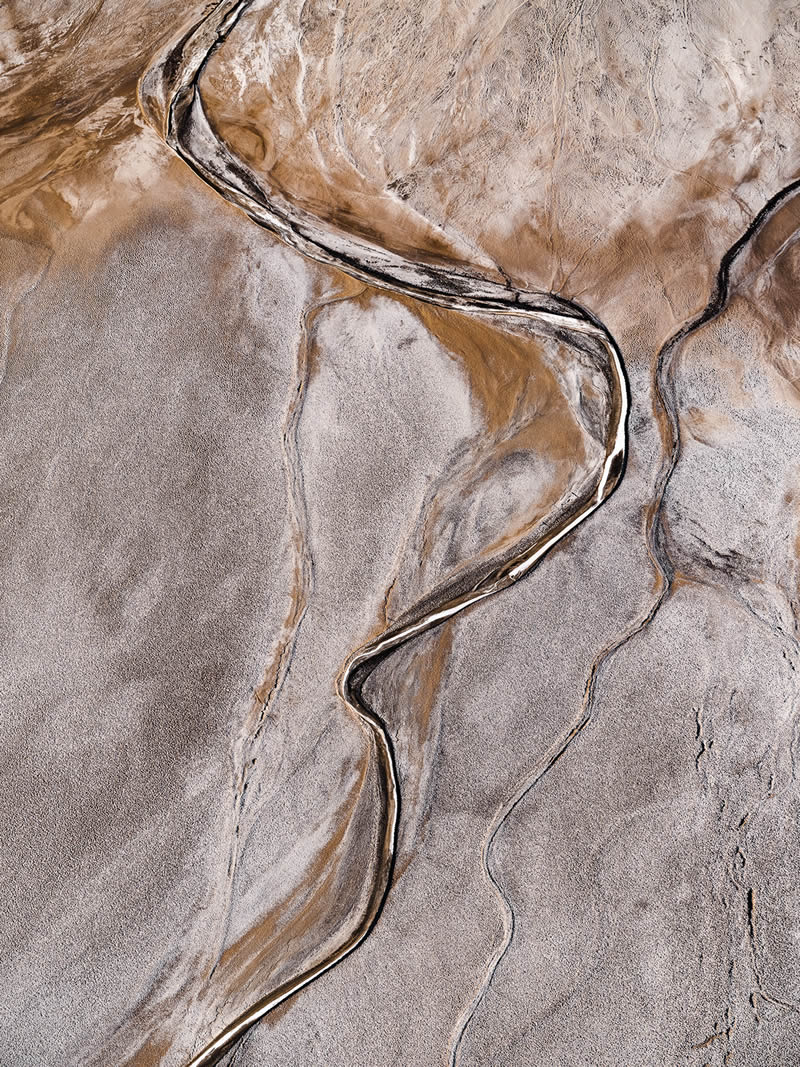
[(178, 86)]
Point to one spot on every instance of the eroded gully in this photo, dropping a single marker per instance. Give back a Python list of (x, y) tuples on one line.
[(171, 101)]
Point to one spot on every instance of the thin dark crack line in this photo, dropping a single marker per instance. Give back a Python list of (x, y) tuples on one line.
[(572, 316), (666, 400), (532, 779), (664, 392), (183, 69), (664, 385)]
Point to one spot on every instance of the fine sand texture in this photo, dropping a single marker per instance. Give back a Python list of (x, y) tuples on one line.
[(400, 533)]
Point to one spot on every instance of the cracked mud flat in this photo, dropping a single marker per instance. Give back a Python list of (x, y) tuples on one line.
[(229, 464)]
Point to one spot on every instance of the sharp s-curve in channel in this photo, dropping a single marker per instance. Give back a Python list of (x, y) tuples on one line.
[(170, 99)]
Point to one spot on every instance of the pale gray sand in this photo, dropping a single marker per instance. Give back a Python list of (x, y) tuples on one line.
[(224, 467)]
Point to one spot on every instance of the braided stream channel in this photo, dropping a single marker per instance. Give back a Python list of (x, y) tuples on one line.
[(171, 101)]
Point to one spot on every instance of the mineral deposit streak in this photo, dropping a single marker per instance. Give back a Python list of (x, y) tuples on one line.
[(171, 101)]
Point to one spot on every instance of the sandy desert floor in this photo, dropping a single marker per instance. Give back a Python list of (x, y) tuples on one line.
[(400, 551)]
